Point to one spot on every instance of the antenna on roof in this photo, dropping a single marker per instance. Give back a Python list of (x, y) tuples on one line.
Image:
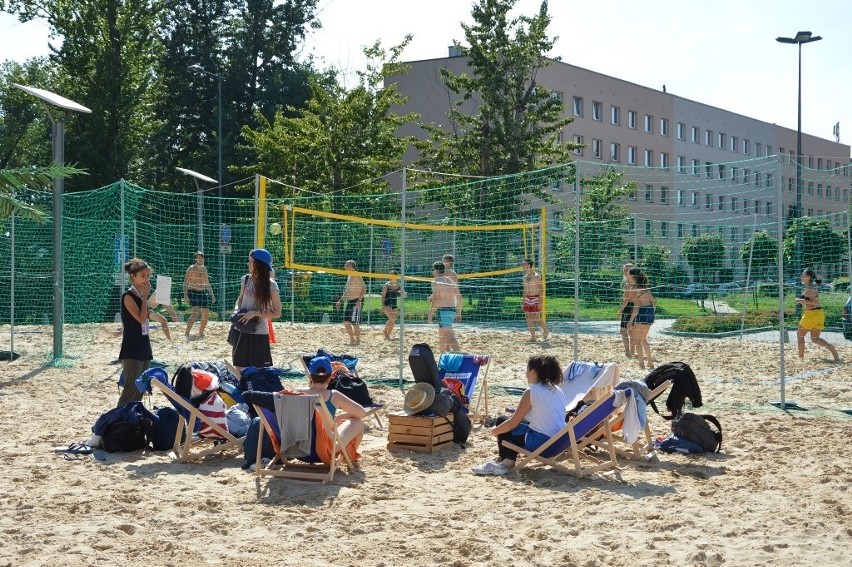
[(836, 132)]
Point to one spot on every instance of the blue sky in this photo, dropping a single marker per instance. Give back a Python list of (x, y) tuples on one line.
[(718, 52)]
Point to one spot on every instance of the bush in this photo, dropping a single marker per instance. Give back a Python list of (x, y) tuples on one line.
[(725, 323), (841, 284)]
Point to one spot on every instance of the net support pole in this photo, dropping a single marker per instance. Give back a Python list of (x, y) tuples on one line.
[(849, 241), (576, 262), (402, 275), (370, 283), (58, 258), (542, 254), (748, 275), (12, 286), (259, 211), (782, 328)]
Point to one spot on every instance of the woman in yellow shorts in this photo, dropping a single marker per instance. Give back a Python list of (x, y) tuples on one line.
[(813, 317)]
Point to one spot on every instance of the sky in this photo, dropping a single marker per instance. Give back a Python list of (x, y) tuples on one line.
[(717, 52)]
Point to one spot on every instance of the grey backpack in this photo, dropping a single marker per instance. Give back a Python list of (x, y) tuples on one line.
[(694, 427)]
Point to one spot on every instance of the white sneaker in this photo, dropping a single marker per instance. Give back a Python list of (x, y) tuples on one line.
[(490, 468)]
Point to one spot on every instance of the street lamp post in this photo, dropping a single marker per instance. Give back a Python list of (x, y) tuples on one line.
[(801, 38), (52, 101), (218, 76)]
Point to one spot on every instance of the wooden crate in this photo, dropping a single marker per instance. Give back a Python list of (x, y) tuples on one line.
[(421, 434)]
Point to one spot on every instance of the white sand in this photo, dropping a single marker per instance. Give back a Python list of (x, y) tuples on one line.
[(778, 494)]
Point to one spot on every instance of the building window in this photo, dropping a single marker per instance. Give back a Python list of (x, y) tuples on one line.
[(758, 148), (596, 148), (664, 127), (819, 163), (708, 138), (735, 173), (649, 158), (680, 199), (757, 179), (578, 140), (578, 106), (695, 231), (768, 207), (708, 201), (819, 190), (790, 184), (664, 195), (696, 167), (614, 152), (681, 164), (664, 229), (615, 115), (680, 230), (649, 229), (681, 130), (664, 160), (770, 181), (735, 143), (837, 193), (695, 199), (721, 172), (649, 193), (721, 202), (631, 119), (746, 147), (631, 155), (810, 212), (746, 204), (757, 205), (596, 110), (631, 192), (696, 132), (649, 124), (708, 169), (810, 187), (746, 176), (631, 225), (768, 150), (734, 204), (722, 140), (733, 236)]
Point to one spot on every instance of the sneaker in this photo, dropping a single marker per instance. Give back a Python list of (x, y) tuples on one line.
[(490, 468)]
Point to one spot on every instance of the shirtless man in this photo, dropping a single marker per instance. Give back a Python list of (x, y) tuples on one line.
[(532, 301), (198, 293), (353, 295), (446, 301), (448, 261)]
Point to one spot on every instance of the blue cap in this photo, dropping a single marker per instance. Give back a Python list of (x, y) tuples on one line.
[(320, 366), (262, 255)]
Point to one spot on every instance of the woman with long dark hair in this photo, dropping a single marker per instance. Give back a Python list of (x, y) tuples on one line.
[(813, 317), (258, 302), (643, 314)]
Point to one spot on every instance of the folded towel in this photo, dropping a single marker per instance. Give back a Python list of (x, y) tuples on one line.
[(294, 415)]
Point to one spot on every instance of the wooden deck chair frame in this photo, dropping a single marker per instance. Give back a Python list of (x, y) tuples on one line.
[(641, 449), (372, 410), (294, 469), (581, 431), (481, 378), (190, 449)]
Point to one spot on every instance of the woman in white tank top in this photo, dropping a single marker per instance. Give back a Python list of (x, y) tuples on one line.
[(540, 415)]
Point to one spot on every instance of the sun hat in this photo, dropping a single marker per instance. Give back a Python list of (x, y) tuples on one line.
[(262, 255), (320, 366), (418, 398)]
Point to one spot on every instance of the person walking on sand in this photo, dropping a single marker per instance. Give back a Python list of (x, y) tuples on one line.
[(813, 316), (642, 315), (448, 260), (135, 354), (198, 293), (625, 311), (446, 301), (391, 292), (531, 305), (259, 300), (353, 296)]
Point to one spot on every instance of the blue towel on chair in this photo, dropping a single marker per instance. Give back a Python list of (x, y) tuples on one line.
[(450, 362)]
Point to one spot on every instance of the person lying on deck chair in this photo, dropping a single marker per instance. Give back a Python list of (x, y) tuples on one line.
[(349, 421)]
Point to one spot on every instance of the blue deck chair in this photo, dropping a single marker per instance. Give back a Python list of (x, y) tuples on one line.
[(574, 437), (466, 368), (187, 445), (309, 467)]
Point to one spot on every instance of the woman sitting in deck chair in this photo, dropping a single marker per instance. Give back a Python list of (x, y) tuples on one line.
[(349, 421), (540, 415)]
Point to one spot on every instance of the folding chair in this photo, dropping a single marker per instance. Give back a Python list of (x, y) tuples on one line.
[(466, 370), (350, 363), (187, 442), (637, 451), (574, 437), (309, 467)]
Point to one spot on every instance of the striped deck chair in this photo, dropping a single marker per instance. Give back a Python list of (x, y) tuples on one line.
[(466, 368), (188, 444), (574, 437), (372, 409), (310, 467)]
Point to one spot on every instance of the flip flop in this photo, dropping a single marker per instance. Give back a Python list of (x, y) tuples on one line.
[(74, 449)]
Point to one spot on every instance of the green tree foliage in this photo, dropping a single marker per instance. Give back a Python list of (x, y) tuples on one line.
[(25, 137), (343, 140), (820, 244), (765, 253), (705, 254), (23, 179)]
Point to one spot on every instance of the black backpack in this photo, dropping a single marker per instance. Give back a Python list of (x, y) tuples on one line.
[(127, 436), (182, 381), (694, 427), (347, 383), (421, 360), (165, 429), (684, 385)]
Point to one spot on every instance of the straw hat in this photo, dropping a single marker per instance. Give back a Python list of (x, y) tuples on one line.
[(418, 398)]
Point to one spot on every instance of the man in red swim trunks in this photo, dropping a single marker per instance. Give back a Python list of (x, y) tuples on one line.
[(532, 301)]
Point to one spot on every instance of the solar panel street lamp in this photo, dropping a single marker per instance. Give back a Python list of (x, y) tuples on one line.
[(56, 107), (200, 220)]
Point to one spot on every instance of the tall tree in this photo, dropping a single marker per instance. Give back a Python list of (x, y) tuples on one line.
[(705, 254), (820, 244), (762, 250), (25, 138)]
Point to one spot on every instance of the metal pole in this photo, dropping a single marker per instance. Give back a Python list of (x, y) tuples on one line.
[(402, 276), (748, 275), (370, 283), (222, 301), (781, 325), (576, 263), (12, 287), (58, 267), (797, 265)]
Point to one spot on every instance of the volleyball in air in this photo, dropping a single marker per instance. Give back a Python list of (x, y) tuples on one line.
[(275, 229)]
